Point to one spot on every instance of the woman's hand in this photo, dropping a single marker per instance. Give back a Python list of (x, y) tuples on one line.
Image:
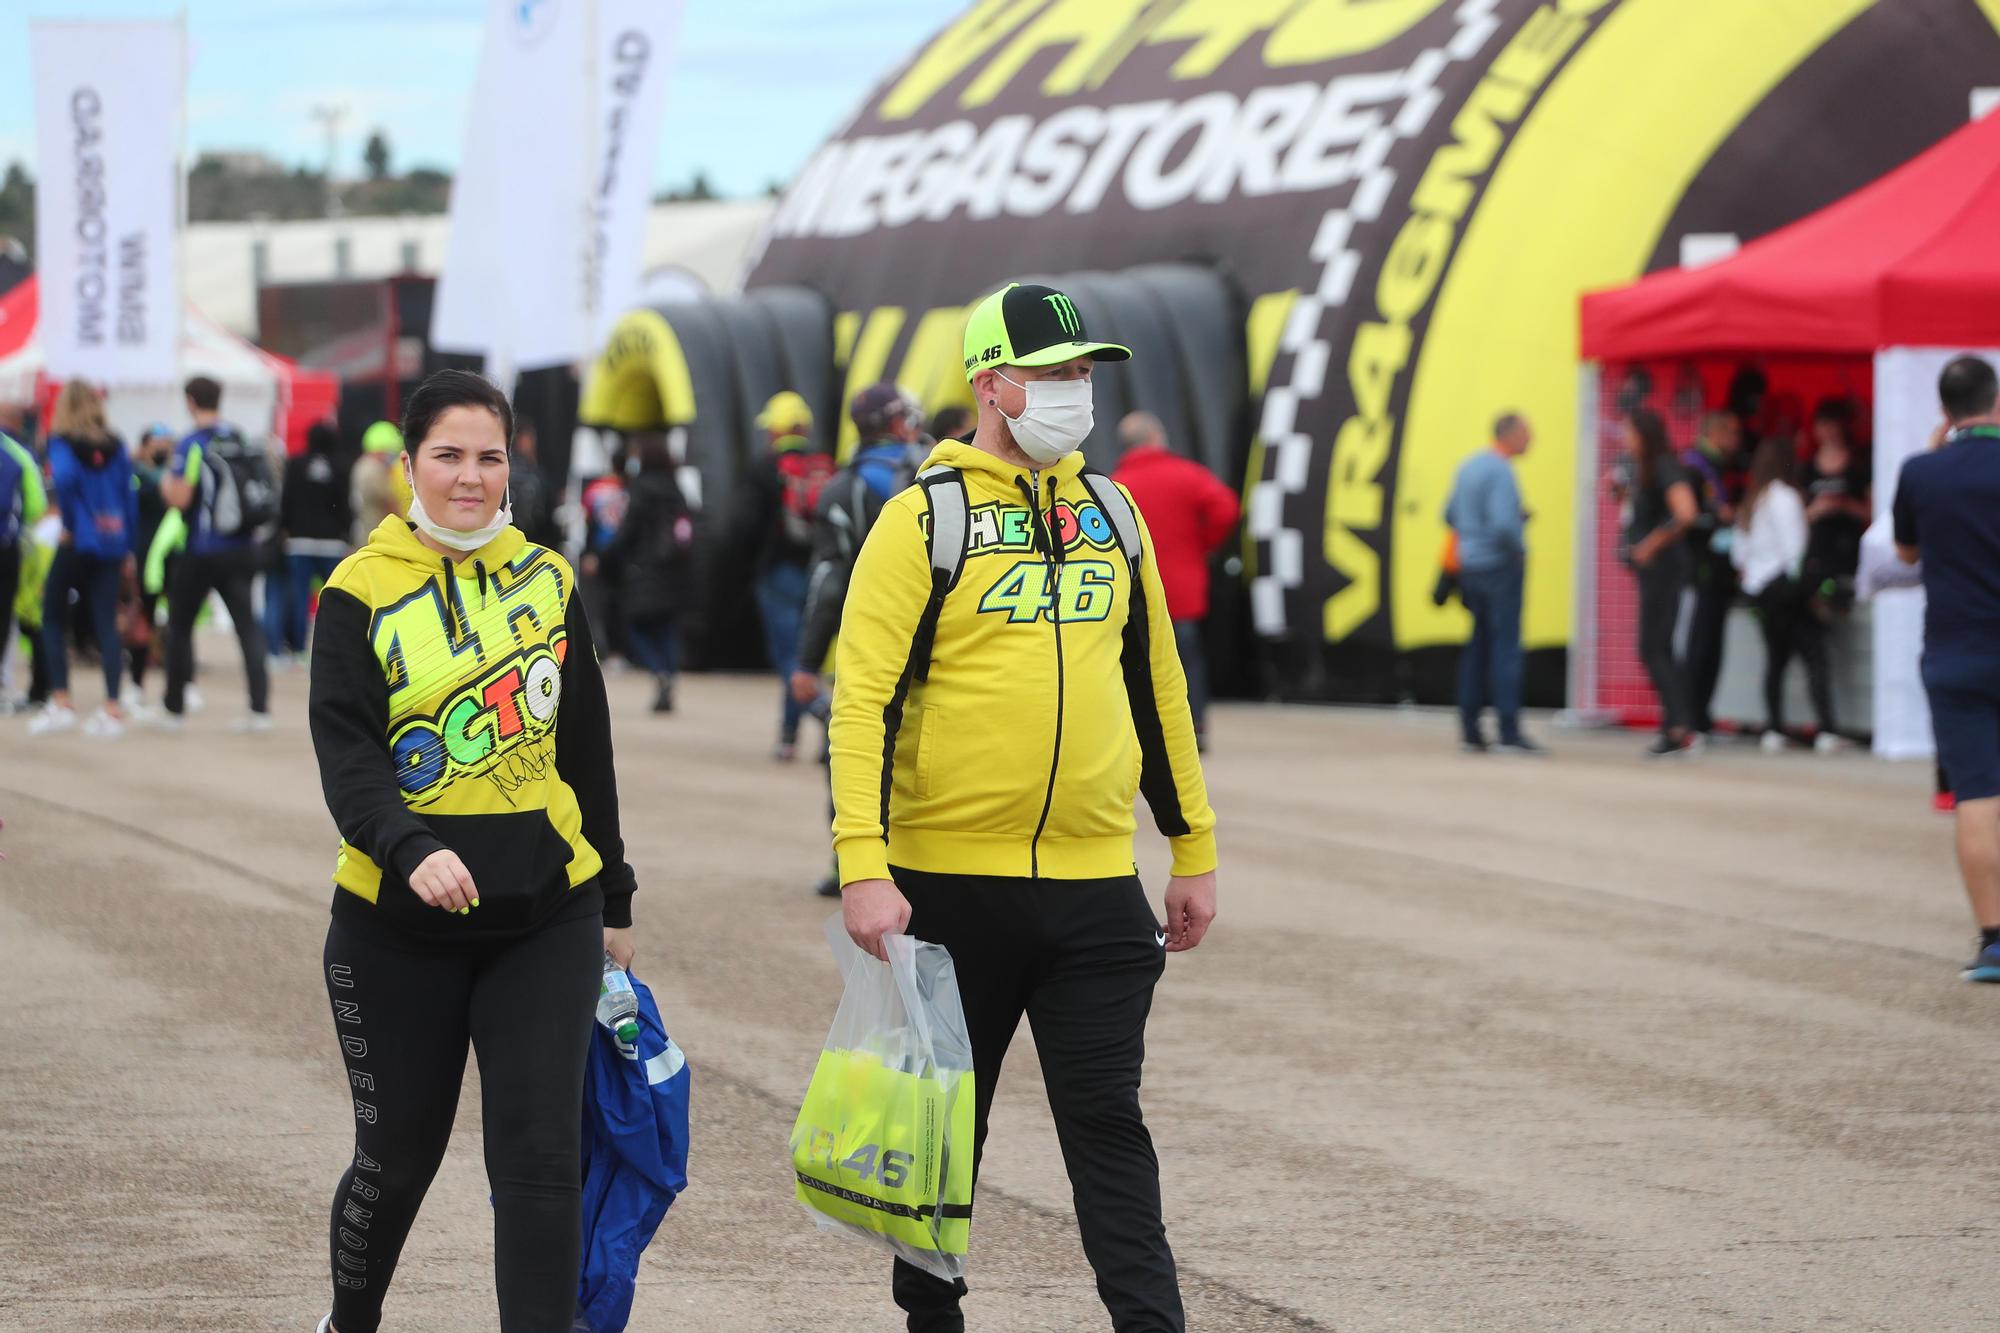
[(618, 943), (442, 880)]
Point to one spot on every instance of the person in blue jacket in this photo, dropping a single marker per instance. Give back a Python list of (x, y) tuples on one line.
[(92, 480)]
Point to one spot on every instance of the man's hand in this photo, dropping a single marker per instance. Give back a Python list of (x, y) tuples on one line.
[(1190, 910), (442, 880), (1643, 553), (872, 908), (806, 686), (618, 943)]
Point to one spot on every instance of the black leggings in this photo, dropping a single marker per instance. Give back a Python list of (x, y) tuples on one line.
[(10, 583), (1661, 585), (1784, 609), (229, 575), (403, 1017)]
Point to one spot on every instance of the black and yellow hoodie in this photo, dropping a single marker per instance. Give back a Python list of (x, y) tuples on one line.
[(436, 688), (1054, 696)]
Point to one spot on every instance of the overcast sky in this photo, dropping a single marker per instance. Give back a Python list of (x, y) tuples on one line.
[(757, 84)]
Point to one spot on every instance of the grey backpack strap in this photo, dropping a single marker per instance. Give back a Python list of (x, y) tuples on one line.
[(1118, 512), (951, 517), (950, 529)]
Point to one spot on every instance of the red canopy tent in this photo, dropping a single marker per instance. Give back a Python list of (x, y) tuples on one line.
[(271, 393), (1912, 260), (1866, 299)]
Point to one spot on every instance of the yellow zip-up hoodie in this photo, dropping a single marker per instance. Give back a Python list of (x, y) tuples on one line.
[(1054, 694)]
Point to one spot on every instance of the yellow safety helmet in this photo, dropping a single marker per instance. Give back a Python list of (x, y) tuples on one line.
[(786, 414)]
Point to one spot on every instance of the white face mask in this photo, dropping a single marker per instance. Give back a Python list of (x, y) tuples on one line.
[(1055, 419), (452, 537)]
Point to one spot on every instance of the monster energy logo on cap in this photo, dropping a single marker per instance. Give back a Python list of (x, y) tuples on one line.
[(1026, 324), (1065, 313)]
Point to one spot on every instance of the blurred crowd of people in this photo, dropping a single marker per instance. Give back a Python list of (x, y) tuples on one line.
[(110, 551), (1771, 519)]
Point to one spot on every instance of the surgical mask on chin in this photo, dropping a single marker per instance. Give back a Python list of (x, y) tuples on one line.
[(452, 537), (1055, 419)]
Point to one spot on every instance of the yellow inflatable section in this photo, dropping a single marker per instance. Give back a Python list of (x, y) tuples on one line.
[(641, 381)]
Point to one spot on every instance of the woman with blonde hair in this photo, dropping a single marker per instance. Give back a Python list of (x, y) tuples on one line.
[(92, 483)]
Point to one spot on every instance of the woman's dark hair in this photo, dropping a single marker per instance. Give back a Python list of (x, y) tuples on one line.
[(1839, 412), (950, 423), (1653, 444), (322, 437), (1771, 464), (448, 389), (650, 447)]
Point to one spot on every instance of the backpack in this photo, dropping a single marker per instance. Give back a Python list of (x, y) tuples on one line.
[(950, 530), (245, 493), (802, 474)]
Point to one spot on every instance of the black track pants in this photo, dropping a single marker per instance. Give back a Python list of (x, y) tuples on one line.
[(228, 574), (404, 1017), (1079, 958)]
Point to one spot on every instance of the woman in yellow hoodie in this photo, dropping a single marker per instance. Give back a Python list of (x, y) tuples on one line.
[(1008, 687), (464, 747)]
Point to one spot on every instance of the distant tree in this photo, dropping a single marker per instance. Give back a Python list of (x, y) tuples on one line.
[(217, 192), (773, 188), (695, 190), (376, 155)]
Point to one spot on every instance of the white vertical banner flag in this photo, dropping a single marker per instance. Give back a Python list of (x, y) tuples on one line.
[(108, 102), (635, 47), (1906, 412), (515, 280)]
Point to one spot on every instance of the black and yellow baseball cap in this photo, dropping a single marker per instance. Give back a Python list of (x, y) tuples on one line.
[(1026, 324)]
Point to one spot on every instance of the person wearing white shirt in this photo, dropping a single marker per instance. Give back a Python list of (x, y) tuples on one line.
[(1770, 546)]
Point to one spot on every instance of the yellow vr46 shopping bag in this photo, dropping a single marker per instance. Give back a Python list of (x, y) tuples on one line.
[(883, 1144)]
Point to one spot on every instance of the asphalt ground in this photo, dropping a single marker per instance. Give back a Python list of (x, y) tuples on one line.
[(1582, 1043)]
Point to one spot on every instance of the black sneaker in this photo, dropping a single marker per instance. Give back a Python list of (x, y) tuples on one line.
[(1666, 747), (1522, 748), (663, 696), (1474, 745), (828, 887)]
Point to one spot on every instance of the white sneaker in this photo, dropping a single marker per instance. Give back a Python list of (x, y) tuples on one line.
[(253, 723), (52, 719), (1774, 742), (163, 720), (1828, 743), (131, 697), (191, 701), (102, 726)]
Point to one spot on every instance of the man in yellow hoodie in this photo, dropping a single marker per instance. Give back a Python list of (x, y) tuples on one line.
[(1008, 687)]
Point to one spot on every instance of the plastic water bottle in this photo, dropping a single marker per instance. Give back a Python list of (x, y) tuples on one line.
[(618, 1003)]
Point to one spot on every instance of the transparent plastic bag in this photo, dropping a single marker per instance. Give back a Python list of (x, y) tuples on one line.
[(882, 1148)]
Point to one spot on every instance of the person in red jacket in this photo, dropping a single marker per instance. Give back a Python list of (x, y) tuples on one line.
[(1190, 515)]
